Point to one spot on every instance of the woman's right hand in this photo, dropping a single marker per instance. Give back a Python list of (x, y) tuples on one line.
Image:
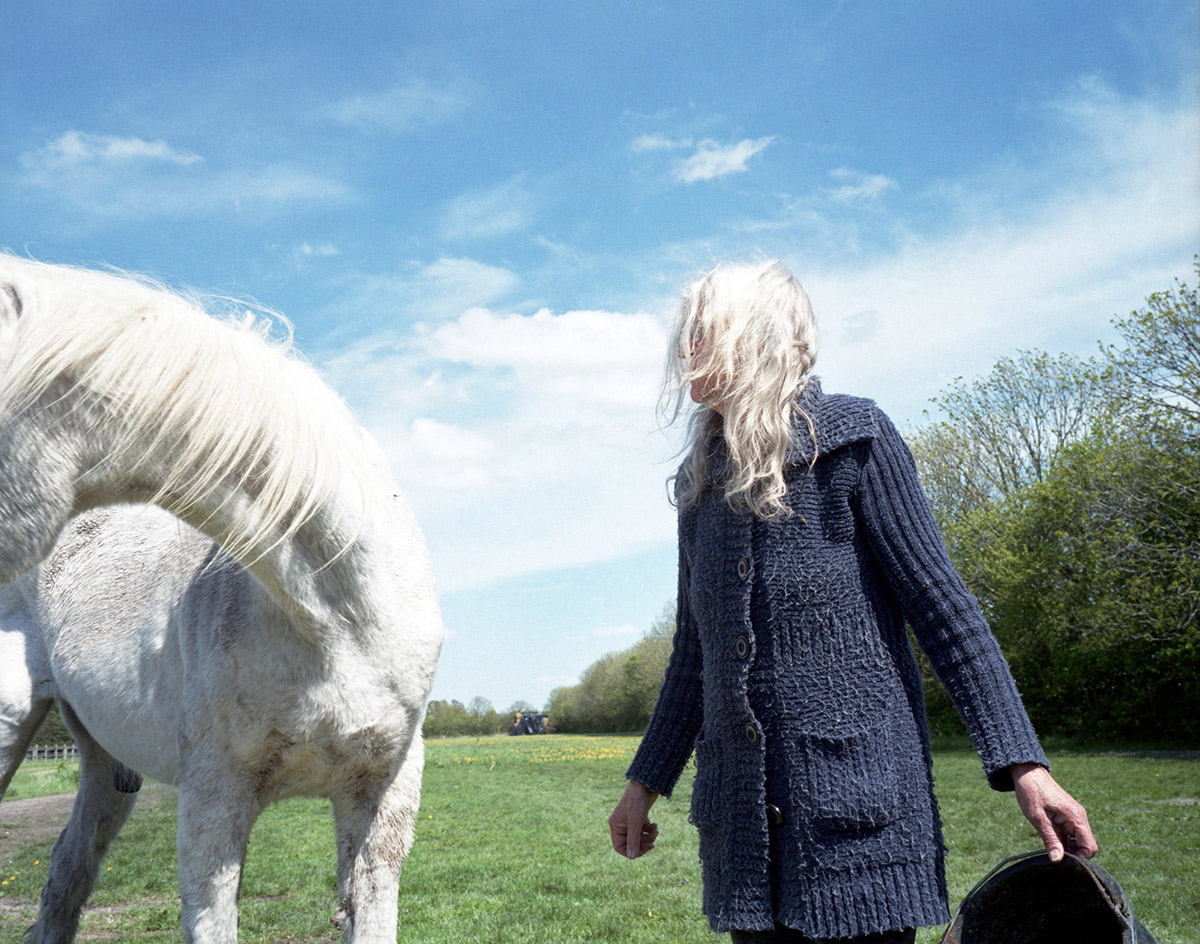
[(632, 835)]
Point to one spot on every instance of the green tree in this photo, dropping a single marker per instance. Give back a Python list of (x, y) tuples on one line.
[(1158, 366), (1005, 430), (617, 692), (446, 719), (1095, 591), (1082, 541), (52, 729)]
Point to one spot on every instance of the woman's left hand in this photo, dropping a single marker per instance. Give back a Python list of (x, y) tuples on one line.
[(1056, 815)]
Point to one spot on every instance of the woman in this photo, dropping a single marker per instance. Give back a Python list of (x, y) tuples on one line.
[(805, 544)]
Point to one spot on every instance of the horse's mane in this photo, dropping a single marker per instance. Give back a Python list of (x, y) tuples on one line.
[(209, 397)]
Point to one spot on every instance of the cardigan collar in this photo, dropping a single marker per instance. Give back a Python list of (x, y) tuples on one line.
[(837, 419)]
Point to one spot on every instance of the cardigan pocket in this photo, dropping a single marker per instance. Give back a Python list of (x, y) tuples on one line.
[(852, 778)]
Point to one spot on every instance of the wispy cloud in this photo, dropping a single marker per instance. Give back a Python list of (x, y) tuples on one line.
[(110, 177), (1040, 260), (713, 159), (305, 252), (429, 292), (487, 213), (324, 249), (658, 142), (73, 148), (403, 108), (855, 187)]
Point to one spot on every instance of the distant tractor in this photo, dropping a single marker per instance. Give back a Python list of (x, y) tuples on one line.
[(530, 722)]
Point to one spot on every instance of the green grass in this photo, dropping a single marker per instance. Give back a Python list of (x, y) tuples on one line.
[(43, 778), (512, 846)]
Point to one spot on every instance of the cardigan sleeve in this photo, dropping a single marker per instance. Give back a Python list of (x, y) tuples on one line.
[(945, 617), (678, 712)]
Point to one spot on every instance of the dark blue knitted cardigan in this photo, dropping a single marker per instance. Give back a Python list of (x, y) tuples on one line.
[(793, 680)]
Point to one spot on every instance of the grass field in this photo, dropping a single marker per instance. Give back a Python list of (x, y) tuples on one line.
[(512, 846)]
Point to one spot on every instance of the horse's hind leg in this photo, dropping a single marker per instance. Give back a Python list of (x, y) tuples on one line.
[(375, 826), (99, 812)]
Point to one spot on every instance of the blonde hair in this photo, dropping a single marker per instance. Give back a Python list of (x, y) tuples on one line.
[(747, 330)]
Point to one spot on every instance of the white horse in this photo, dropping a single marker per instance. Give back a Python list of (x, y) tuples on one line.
[(283, 641)]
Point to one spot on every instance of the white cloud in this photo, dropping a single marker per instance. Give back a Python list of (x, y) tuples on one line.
[(550, 343), (542, 426), (713, 160), (444, 457), (79, 147), (402, 108), (454, 279), (483, 214)]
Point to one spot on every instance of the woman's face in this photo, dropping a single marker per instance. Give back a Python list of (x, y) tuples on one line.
[(705, 389)]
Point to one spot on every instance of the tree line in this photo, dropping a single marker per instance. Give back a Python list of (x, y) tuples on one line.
[(1068, 493), (477, 717), (617, 692)]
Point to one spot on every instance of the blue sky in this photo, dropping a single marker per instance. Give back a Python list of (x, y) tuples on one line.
[(477, 216)]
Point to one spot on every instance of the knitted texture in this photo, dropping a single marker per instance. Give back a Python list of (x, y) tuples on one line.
[(792, 679)]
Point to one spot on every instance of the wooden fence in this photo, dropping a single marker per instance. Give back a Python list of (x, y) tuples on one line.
[(52, 752)]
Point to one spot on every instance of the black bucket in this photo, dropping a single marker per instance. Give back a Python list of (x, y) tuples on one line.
[(1030, 900)]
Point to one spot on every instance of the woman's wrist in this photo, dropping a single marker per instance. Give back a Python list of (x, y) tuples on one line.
[(1018, 769)]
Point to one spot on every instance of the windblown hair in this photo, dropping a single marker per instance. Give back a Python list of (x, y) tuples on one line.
[(747, 331), (210, 401)]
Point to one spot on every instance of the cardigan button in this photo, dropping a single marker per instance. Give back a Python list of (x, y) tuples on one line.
[(742, 647), (743, 568), (751, 733)]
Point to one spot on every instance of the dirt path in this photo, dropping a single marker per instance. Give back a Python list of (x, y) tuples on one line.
[(41, 819)]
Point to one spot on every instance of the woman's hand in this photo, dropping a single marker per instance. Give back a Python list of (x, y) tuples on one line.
[(1056, 815), (631, 834)]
